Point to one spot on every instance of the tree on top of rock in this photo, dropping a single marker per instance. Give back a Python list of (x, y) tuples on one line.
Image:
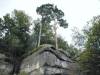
[(51, 13)]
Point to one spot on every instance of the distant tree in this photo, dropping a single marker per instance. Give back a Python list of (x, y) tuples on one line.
[(73, 52), (51, 13), (78, 37)]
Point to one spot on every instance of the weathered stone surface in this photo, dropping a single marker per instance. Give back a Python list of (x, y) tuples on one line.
[(5, 68), (48, 61)]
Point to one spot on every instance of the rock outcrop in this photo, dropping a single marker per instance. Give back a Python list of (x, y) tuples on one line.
[(45, 60), (5, 67), (48, 61)]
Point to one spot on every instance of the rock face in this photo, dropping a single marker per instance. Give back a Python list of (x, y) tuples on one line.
[(43, 61), (5, 68), (48, 61)]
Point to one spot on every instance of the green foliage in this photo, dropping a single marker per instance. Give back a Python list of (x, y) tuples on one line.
[(23, 73), (89, 59), (50, 13), (62, 43), (84, 59), (47, 36), (46, 32), (15, 30), (73, 52), (14, 37)]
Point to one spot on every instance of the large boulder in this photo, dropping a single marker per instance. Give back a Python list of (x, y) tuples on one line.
[(46, 60)]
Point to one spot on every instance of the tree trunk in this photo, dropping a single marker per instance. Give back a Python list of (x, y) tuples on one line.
[(16, 66), (39, 35), (55, 35)]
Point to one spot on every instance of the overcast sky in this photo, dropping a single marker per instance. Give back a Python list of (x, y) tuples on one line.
[(77, 12)]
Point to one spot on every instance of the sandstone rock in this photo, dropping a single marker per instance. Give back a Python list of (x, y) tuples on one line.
[(5, 67), (48, 61)]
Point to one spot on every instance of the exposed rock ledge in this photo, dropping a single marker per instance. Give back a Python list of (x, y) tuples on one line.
[(44, 60)]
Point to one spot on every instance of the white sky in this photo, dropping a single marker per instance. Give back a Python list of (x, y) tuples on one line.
[(77, 12)]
